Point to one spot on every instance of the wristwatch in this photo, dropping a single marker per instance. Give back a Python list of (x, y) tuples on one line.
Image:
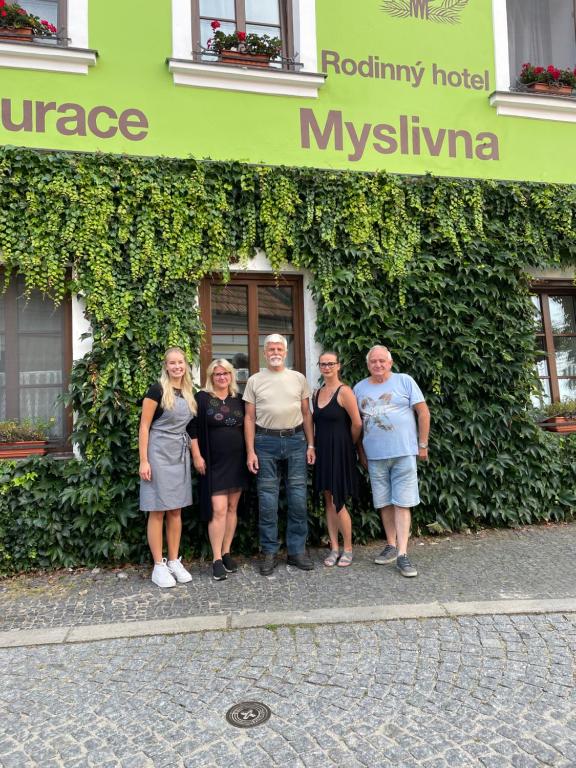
[(422, 445)]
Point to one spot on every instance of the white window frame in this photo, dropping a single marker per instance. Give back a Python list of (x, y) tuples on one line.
[(76, 58), (304, 83), (510, 104)]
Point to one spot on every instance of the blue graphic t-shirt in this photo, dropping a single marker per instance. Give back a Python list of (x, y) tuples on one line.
[(389, 423)]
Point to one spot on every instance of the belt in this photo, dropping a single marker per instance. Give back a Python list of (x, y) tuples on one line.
[(279, 432)]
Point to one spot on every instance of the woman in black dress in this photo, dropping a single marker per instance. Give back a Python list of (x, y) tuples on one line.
[(219, 456), (337, 428)]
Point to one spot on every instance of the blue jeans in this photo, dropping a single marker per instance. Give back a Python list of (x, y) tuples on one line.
[(270, 451)]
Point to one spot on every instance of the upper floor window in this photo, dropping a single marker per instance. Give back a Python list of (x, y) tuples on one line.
[(262, 17), (555, 320), (542, 32), (35, 358)]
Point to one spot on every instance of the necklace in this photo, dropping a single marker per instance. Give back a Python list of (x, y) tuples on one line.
[(222, 399)]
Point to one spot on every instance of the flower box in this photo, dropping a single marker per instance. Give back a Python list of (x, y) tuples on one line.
[(555, 90), (245, 59), (558, 424), (20, 449), (17, 34)]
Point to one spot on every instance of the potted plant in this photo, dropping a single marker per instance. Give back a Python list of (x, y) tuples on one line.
[(548, 79), (559, 417), (16, 24), (243, 48), (23, 438)]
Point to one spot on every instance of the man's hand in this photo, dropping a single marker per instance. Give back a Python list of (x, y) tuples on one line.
[(252, 462), (311, 454), (423, 454)]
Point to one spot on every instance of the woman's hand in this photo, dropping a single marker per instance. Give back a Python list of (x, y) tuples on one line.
[(199, 465), (145, 470)]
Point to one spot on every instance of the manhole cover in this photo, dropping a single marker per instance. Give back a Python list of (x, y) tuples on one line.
[(248, 714)]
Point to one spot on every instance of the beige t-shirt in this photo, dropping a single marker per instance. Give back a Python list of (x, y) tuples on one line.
[(278, 397)]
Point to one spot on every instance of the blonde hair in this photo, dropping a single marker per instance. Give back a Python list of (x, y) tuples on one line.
[(167, 402), (221, 363)]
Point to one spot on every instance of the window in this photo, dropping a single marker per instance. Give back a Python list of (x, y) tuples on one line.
[(240, 314), (264, 17), (53, 11), (35, 358), (68, 53), (541, 32), (294, 21), (555, 320)]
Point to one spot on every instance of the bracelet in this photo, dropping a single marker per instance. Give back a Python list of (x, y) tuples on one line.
[(422, 445), (312, 446)]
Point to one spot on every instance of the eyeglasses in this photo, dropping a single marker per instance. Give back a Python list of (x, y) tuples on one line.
[(327, 365), (216, 375)]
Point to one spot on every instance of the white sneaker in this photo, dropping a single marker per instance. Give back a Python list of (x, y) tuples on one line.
[(161, 576), (177, 570)]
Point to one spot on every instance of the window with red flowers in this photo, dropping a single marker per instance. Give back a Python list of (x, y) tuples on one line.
[(262, 17), (541, 32)]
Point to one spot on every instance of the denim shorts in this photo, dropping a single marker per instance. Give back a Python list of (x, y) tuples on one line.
[(394, 481)]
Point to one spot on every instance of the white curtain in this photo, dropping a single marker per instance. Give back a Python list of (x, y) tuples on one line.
[(541, 32)]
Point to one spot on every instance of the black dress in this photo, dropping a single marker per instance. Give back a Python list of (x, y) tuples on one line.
[(219, 429), (335, 469)]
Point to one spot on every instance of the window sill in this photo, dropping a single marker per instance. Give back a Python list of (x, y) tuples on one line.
[(46, 57), (534, 105), (276, 82)]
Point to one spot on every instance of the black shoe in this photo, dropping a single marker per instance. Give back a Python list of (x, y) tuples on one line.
[(303, 561), (268, 564), (230, 564), (218, 570)]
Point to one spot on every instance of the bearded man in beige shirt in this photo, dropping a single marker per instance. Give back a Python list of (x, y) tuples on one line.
[(278, 428)]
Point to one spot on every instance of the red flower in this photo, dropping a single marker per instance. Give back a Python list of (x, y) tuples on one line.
[(241, 36), (2, 3), (215, 25), (4, 13), (538, 70), (22, 12)]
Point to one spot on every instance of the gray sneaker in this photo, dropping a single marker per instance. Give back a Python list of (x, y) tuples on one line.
[(388, 555), (405, 566)]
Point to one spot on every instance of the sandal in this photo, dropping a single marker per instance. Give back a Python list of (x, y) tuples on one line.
[(345, 559), (332, 558)]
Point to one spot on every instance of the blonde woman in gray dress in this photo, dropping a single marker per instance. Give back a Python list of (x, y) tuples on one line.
[(165, 476)]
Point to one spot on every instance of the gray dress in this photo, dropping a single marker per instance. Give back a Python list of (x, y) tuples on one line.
[(169, 457)]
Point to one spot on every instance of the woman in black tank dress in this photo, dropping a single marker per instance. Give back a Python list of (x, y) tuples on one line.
[(337, 427), (219, 456)]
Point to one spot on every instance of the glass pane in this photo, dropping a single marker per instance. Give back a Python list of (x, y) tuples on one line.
[(565, 355), (541, 357), (542, 398), (563, 313), (45, 9), (38, 404), (37, 313), (206, 31), (537, 313), (40, 360), (289, 362), (263, 11), (229, 308), (233, 348), (541, 32), (261, 30), (567, 389), (217, 9), (275, 309)]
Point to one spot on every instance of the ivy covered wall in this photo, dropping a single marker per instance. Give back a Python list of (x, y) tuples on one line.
[(435, 268)]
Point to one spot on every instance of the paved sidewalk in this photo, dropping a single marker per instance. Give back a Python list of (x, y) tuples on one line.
[(529, 570)]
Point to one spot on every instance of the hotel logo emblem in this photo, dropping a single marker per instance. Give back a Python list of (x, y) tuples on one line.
[(439, 11)]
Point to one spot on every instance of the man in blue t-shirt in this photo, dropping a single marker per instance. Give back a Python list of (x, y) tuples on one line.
[(396, 423)]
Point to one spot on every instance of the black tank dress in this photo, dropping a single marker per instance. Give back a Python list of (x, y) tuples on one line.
[(218, 427), (335, 469)]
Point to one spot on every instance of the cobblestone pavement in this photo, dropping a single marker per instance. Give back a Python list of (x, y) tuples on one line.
[(536, 562), (474, 692)]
